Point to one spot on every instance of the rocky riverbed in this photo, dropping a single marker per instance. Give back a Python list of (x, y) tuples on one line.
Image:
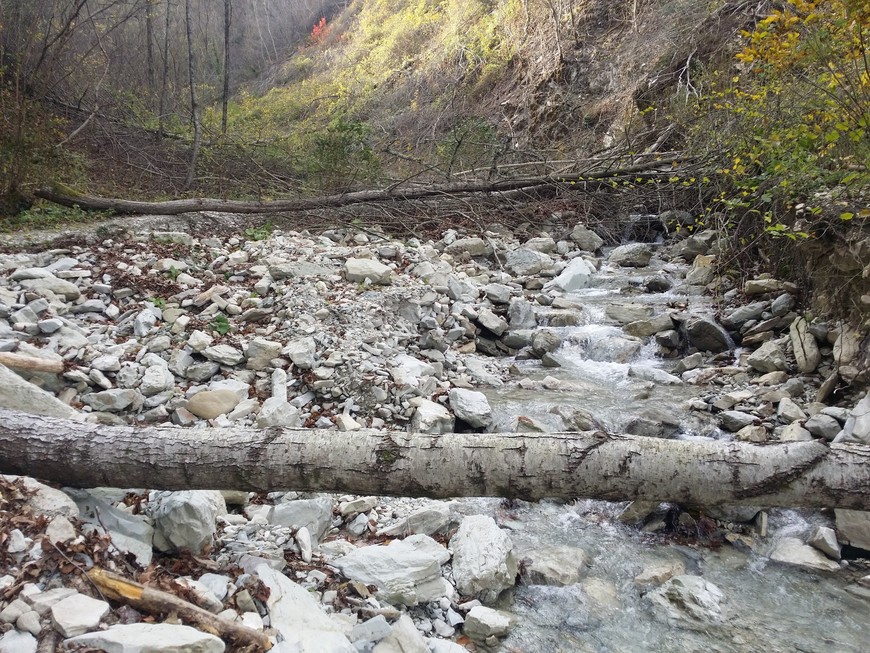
[(344, 329)]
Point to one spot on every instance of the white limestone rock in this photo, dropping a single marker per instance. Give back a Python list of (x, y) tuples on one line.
[(406, 571), (524, 262), (360, 269), (768, 358), (483, 561), (46, 500), (301, 351), (143, 323), (114, 401), (60, 529), (77, 614), (278, 412), (482, 623), (67, 289), (792, 551), (150, 638), (854, 527), (470, 246), (223, 354), (427, 521), (198, 341), (857, 426), (576, 275), (492, 322), (825, 540), (297, 615), (688, 602), (557, 566), (788, 411), (14, 641), (18, 394), (187, 519), (261, 352), (586, 239), (430, 417), (155, 380), (404, 638), (635, 255), (408, 371), (471, 407), (312, 514), (806, 350)]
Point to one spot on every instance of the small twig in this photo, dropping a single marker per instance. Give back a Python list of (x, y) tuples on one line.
[(82, 571)]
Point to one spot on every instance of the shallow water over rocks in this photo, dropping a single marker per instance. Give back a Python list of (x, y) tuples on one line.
[(766, 606)]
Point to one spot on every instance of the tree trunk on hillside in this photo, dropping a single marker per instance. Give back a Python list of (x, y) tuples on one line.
[(149, 47), (164, 77), (527, 466), (225, 95), (589, 181), (194, 107)]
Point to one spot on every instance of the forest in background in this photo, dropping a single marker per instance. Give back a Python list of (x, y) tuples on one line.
[(760, 109)]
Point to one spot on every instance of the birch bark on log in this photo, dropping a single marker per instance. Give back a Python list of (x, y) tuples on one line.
[(526, 466)]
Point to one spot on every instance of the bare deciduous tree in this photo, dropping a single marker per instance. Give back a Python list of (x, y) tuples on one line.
[(194, 107)]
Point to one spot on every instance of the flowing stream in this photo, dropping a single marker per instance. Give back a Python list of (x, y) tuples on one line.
[(767, 607)]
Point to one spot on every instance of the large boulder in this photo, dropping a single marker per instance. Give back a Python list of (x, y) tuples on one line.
[(705, 335), (806, 351), (149, 638), (854, 527), (792, 551), (313, 514), (471, 407), (406, 571), (360, 269), (586, 239), (768, 358), (483, 560), (688, 602), (857, 426), (208, 404), (523, 262), (187, 519), (576, 275), (635, 255), (299, 618), (18, 394), (430, 417)]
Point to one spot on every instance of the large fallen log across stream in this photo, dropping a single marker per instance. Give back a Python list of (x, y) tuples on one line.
[(526, 466), (66, 196)]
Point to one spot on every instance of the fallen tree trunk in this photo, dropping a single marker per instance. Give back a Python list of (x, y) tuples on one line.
[(66, 196), (154, 601), (527, 466), (30, 363)]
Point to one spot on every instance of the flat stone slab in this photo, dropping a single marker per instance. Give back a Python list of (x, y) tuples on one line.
[(151, 638), (77, 614)]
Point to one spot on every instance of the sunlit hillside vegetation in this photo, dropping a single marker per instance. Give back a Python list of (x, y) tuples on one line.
[(241, 99)]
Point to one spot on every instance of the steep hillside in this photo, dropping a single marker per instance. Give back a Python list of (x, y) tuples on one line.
[(456, 85)]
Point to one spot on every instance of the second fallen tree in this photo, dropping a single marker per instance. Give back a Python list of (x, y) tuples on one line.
[(527, 466)]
